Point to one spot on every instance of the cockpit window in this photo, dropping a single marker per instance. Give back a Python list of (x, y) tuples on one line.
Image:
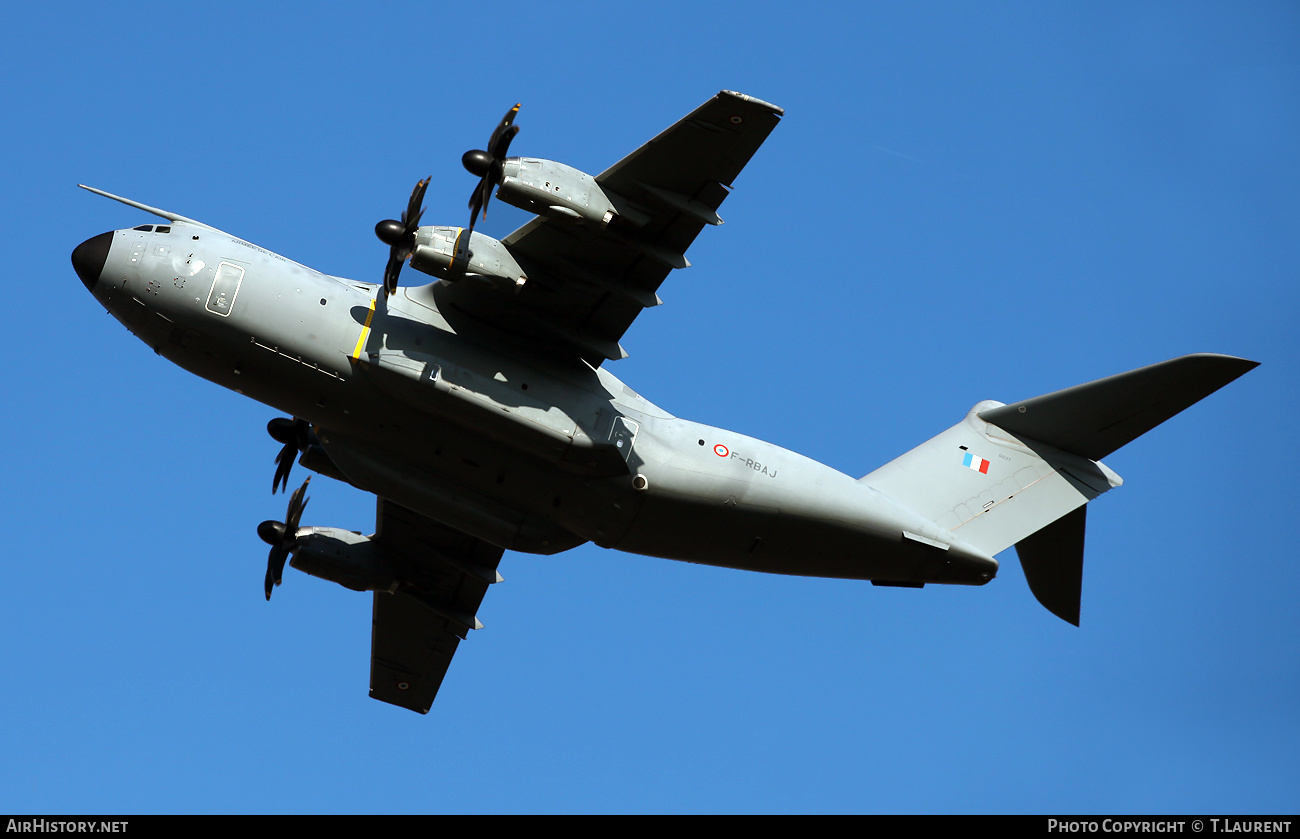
[(147, 228), (162, 228)]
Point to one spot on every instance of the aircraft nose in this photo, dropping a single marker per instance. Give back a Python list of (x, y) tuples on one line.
[(89, 257)]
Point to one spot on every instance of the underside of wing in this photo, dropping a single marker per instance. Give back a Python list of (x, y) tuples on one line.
[(587, 281), (1096, 418), (417, 628), (409, 652)]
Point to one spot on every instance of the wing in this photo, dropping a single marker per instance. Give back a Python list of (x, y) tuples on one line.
[(586, 283), (416, 630)]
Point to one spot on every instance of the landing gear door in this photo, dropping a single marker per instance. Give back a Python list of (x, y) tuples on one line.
[(623, 435)]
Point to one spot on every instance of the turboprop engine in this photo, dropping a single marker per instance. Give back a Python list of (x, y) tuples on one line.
[(340, 556), (344, 557), (444, 252), (547, 188)]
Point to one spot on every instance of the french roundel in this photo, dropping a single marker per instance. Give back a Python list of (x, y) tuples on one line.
[(721, 450)]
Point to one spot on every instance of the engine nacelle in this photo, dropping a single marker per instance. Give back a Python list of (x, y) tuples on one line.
[(547, 188), (343, 557), (442, 252)]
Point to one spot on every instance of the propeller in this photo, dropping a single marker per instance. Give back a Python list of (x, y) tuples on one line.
[(488, 165), (400, 236), (282, 536), (297, 436)]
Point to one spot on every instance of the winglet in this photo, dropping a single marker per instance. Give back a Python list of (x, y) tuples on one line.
[(154, 210)]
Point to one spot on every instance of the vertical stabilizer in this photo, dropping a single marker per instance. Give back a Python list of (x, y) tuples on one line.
[(987, 487), (1021, 474), (1052, 560)]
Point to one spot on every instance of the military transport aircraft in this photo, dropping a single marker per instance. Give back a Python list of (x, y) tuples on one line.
[(478, 409)]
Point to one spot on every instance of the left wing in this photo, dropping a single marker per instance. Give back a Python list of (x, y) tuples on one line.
[(416, 629), (587, 283)]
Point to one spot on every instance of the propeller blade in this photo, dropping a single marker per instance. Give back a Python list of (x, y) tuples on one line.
[(415, 207), (391, 272), (504, 133), (275, 568), (296, 435), (476, 203), (400, 236), (283, 465), (296, 505), (488, 165), (282, 536)]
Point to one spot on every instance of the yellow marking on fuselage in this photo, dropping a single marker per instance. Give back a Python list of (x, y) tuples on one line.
[(365, 332), (455, 248)]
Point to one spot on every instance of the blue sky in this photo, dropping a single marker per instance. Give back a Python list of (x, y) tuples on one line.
[(962, 202)]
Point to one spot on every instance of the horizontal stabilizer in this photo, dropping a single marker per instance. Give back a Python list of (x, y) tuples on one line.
[(1097, 418), (1052, 560)]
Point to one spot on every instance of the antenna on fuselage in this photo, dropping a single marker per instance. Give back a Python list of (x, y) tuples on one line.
[(154, 210)]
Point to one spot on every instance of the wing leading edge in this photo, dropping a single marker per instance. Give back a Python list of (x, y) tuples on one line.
[(416, 630), (587, 283)]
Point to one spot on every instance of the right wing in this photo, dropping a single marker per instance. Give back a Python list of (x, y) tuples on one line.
[(586, 283), (416, 629)]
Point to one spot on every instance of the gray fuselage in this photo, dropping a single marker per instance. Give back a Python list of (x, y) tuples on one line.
[(527, 452)]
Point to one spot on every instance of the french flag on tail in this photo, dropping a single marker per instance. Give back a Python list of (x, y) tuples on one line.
[(972, 461)]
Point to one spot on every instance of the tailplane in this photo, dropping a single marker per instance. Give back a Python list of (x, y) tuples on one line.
[(1021, 474)]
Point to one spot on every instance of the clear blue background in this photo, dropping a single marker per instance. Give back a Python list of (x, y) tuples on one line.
[(964, 201)]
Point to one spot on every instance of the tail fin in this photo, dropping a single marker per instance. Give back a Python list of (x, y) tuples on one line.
[(1016, 474)]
